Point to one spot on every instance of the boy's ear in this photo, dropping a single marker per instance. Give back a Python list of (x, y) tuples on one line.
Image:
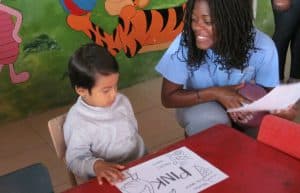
[(80, 91)]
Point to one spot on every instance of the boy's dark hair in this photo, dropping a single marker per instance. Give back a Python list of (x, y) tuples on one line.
[(86, 62)]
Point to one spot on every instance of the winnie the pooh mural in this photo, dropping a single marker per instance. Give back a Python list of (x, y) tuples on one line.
[(137, 31)]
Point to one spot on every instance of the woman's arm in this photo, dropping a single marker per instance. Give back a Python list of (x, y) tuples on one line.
[(174, 96), (289, 113)]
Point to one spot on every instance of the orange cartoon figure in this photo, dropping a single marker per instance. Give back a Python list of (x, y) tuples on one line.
[(9, 42), (114, 7), (137, 30)]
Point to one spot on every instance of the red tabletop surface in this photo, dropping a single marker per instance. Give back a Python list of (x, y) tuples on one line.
[(252, 167)]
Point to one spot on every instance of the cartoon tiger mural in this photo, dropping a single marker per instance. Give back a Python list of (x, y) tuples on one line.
[(137, 30)]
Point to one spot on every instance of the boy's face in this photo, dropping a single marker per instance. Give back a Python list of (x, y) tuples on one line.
[(103, 93)]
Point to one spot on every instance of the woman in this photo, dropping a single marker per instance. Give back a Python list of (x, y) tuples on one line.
[(287, 32), (218, 51)]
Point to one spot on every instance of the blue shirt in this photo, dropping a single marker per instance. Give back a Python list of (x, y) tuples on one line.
[(263, 67)]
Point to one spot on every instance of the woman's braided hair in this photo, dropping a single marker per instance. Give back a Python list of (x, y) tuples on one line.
[(234, 34)]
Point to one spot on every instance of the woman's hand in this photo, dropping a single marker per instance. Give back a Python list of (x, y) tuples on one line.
[(289, 113), (109, 171), (281, 5), (229, 97)]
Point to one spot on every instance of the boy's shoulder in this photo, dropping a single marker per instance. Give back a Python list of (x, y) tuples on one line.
[(75, 113), (73, 107), (122, 99)]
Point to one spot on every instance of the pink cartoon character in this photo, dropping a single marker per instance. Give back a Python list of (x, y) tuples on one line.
[(9, 42)]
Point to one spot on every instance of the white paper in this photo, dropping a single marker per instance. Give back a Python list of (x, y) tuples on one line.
[(179, 171), (278, 98)]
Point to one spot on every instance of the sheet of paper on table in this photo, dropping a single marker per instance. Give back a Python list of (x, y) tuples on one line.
[(178, 171), (279, 98)]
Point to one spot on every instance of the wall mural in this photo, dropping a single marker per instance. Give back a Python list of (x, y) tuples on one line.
[(137, 30), (37, 38), (9, 42)]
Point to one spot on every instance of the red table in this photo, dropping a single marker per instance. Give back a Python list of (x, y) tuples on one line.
[(252, 167)]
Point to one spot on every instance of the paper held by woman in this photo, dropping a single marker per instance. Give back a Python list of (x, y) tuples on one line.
[(278, 98)]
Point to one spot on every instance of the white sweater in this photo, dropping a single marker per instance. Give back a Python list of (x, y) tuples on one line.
[(108, 133)]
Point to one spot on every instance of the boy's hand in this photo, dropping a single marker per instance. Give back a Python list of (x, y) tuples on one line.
[(109, 171)]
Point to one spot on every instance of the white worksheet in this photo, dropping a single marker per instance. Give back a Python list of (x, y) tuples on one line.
[(179, 171), (279, 98)]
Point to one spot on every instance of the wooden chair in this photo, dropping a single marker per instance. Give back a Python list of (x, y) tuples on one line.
[(55, 126), (281, 134), (31, 179)]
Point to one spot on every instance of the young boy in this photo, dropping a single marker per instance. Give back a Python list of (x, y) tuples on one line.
[(100, 130)]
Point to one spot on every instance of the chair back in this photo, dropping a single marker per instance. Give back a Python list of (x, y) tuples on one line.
[(31, 179), (281, 134), (55, 126)]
